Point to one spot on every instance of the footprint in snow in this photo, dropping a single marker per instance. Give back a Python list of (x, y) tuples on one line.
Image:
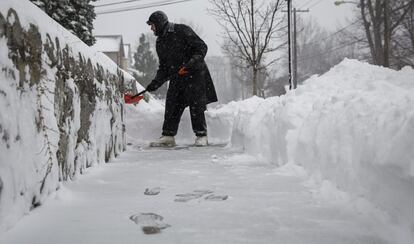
[(191, 196), (152, 191), (216, 197), (150, 223)]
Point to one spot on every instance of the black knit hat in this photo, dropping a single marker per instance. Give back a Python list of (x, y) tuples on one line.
[(158, 18)]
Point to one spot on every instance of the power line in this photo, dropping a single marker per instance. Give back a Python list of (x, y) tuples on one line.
[(333, 34), (116, 3), (143, 6), (329, 51)]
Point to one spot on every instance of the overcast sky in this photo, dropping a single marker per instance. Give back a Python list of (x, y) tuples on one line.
[(130, 24)]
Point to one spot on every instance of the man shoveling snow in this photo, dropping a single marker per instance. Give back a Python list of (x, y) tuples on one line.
[(181, 55)]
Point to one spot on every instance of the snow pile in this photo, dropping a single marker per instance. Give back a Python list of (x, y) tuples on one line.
[(220, 120), (353, 126), (351, 129), (61, 108)]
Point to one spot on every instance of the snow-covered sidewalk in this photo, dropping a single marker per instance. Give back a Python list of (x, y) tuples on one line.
[(206, 195)]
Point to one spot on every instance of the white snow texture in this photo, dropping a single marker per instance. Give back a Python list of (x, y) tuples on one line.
[(351, 129), (27, 154)]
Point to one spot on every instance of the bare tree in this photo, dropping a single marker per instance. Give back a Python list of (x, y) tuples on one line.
[(402, 43), (251, 27), (220, 70), (319, 49), (381, 20), (241, 75)]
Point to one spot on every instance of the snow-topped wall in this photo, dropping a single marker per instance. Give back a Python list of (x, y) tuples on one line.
[(61, 108), (353, 126)]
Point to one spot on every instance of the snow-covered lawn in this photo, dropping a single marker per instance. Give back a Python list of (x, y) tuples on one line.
[(264, 204)]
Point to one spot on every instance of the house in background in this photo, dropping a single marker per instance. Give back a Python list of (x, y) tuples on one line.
[(128, 55), (113, 47)]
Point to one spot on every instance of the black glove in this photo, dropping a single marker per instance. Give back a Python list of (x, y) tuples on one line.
[(152, 86)]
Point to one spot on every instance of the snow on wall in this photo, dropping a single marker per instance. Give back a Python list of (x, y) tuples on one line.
[(353, 126), (61, 108)]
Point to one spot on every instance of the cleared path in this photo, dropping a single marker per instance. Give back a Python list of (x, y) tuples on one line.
[(200, 195)]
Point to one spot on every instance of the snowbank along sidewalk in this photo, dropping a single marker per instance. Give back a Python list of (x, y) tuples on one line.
[(351, 128)]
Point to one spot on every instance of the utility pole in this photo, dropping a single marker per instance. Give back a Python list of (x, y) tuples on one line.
[(295, 51), (289, 11), (292, 65)]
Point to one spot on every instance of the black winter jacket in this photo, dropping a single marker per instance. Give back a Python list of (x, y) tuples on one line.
[(179, 46)]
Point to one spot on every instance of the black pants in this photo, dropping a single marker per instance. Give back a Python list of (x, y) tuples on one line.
[(173, 115)]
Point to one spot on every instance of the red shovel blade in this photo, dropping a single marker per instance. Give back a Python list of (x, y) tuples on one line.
[(129, 99)]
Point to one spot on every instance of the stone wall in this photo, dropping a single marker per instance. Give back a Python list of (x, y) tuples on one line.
[(73, 113)]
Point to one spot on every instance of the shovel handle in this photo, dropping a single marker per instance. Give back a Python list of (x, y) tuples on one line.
[(139, 93)]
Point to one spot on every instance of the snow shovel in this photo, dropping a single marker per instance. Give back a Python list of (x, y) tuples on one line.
[(133, 99)]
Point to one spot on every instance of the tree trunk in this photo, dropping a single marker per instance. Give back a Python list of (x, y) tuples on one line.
[(387, 34), (375, 11), (253, 47), (367, 29), (255, 81)]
